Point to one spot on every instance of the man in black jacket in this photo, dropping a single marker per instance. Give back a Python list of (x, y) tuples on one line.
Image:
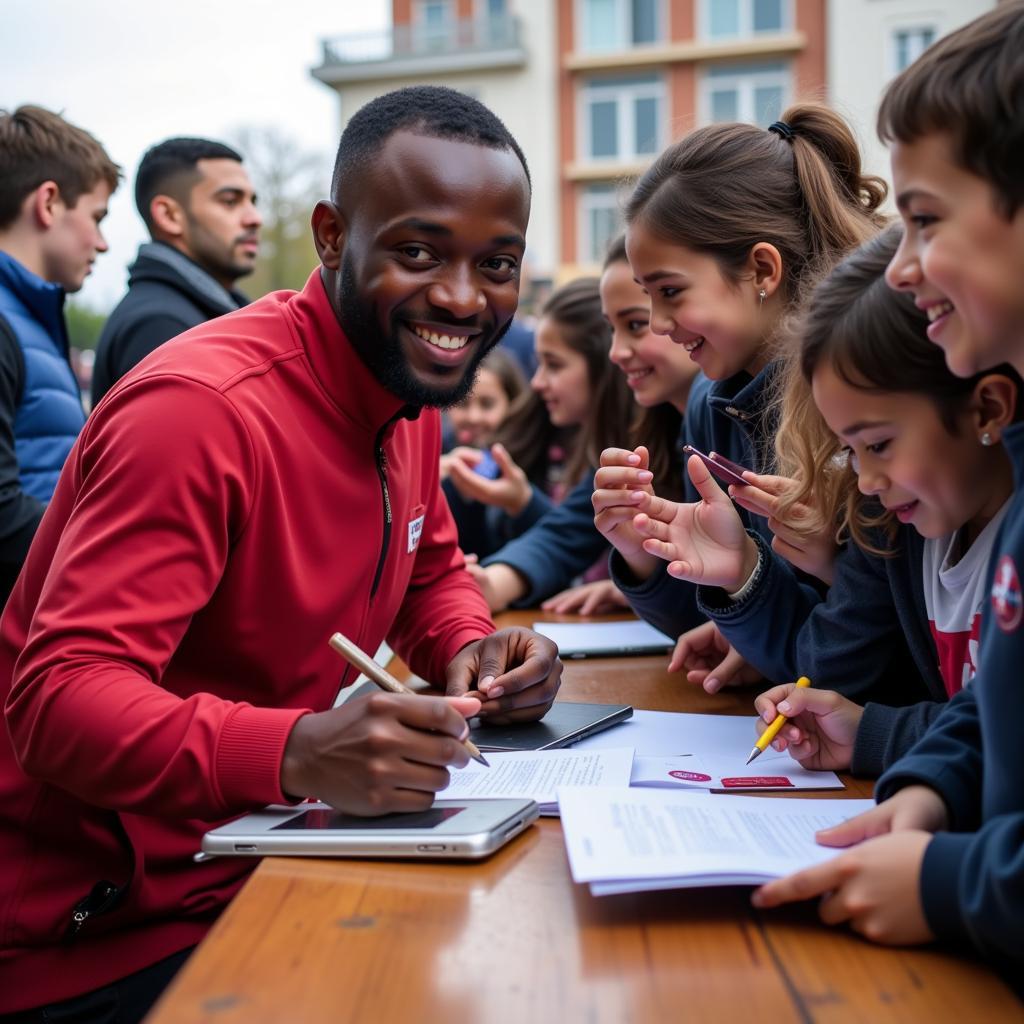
[(199, 206)]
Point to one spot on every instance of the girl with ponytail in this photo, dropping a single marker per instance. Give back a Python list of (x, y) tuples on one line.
[(727, 231)]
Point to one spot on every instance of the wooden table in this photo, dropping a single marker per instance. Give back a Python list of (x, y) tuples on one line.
[(513, 939)]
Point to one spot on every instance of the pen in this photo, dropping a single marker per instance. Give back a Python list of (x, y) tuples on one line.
[(772, 731), (386, 681)]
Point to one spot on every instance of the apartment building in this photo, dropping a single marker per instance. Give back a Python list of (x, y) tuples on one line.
[(499, 51), (594, 89), (635, 74)]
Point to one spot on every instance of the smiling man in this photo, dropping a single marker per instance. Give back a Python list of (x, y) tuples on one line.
[(200, 209), (259, 483)]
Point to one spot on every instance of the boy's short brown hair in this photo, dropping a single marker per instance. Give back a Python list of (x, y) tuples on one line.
[(970, 86), (37, 145)]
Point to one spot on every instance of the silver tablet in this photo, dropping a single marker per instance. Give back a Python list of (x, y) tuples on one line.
[(460, 829)]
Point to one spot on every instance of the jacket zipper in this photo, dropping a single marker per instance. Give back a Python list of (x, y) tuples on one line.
[(103, 897), (382, 473), (738, 414)]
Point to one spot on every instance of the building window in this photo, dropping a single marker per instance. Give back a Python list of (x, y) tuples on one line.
[(908, 44), (621, 118), (756, 93), (600, 221), (433, 24), (736, 19), (620, 24)]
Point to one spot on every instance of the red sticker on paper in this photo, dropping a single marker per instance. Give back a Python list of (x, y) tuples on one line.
[(756, 782), (690, 776)]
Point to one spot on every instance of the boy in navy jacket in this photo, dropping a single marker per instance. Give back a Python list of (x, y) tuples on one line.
[(942, 856)]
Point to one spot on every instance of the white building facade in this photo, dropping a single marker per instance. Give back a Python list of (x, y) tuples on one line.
[(870, 42)]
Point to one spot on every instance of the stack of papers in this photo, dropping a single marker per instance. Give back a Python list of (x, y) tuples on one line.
[(629, 840), (673, 752)]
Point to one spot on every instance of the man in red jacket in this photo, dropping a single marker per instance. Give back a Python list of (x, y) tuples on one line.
[(252, 486)]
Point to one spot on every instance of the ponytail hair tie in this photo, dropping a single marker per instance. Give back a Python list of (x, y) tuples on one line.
[(783, 130)]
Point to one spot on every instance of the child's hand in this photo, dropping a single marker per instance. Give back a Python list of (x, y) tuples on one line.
[(822, 726), (875, 886), (814, 553), (913, 808), (511, 491), (587, 599), (708, 659), (618, 484), (702, 541), (499, 583)]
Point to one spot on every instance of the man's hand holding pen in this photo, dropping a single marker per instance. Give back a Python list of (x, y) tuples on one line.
[(515, 673)]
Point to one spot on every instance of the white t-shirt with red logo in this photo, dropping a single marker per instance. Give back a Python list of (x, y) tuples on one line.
[(955, 594)]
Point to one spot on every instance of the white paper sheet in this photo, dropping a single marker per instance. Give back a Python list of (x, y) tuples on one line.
[(633, 636), (631, 839), (538, 774), (722, 742), (688, 771), (670, 732)]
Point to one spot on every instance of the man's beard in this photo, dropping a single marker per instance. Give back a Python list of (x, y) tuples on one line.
[(212, 255), (383, 354)]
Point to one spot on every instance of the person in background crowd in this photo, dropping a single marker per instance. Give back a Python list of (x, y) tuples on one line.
[(200, 209), (583, 393), (55, 181)]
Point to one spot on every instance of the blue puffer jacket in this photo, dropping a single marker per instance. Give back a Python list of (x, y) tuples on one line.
[(49, 414)]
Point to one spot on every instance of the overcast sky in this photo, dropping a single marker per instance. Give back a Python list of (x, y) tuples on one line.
[(133, 73)]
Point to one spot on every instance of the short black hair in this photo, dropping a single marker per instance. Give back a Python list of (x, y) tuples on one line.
[(425, 110), (170, 167)]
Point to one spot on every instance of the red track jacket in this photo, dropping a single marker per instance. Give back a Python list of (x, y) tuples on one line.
[(222, 513)]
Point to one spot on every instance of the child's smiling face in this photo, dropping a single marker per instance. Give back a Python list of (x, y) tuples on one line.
[(961, 257), (925, 474), (720, 323)]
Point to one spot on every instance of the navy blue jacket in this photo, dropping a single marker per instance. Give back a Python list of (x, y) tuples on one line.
[(733, 418), (483, 529), (556, 549), (167, 294), (40, 407), (972, 877), (855, 641)]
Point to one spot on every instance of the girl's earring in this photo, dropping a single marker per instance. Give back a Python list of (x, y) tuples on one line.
[(986, 439), (762, 295)]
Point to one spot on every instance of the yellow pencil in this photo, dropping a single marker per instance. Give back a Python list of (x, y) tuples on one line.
[(772, 731), (385, 680)]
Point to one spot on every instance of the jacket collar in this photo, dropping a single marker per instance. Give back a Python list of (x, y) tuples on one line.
[(346, 379), (164, 261), (745, 398), (43, 299)]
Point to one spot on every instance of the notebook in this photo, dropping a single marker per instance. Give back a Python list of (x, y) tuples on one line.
[(564, 724), (597, 639)]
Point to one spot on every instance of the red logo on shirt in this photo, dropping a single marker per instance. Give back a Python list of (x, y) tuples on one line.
[(1006, 596)]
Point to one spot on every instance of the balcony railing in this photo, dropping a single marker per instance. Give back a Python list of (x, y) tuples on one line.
[(482, 37)]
